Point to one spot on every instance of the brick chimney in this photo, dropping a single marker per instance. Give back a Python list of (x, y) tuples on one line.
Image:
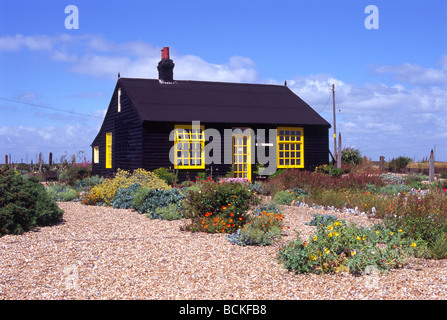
[(165, 67)]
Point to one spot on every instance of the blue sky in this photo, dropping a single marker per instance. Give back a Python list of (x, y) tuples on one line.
[(390, 82)]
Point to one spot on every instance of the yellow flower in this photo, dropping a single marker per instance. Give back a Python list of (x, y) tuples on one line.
[(391, 233), (353, 253), (326, 250), (315, 238), (336, 223), (377, 231), (413, 245), (336, 234), (330, 227), (400, 231), (358, 238), (313, 257), (329, 235)]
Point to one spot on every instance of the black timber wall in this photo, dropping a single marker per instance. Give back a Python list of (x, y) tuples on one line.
[(127, 138)]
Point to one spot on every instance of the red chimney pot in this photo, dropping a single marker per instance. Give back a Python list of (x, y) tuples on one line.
[(165, 53)]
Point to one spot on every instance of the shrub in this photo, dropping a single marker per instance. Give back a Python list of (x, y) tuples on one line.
[(72, 173), (287, 196), (322, 219), (170, 212), (147, 200), (106, 190), (218, 202), (166, 176), (397, 164), (24, 204), (351, 156), (124, 197), (59, 192), (330, 170), (262, 229), (340, 247)]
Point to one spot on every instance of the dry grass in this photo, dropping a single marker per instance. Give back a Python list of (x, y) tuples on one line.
[(105, 253)]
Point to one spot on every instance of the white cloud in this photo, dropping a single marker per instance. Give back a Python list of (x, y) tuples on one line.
[(416, 74), (376, 117), (94, 55)]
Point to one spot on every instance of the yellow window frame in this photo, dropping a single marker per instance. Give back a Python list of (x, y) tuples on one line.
[(189, 144), (290, 147), (108, 150)]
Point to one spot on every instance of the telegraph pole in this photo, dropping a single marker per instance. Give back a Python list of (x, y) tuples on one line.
[(335, 128)]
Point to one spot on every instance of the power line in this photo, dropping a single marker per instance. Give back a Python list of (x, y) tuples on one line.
[(51, 108)]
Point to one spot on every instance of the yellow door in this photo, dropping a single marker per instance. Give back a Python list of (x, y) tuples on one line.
[(241, 157)]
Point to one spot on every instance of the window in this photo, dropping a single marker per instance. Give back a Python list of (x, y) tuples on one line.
[(189, 143), (119, 99), (95, 154), (290, 147), (108, 150)]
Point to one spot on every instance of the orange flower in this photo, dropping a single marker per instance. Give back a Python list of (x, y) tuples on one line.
[(223, 208), (228, 225), (231, 214), (240, 218), (231, 220)]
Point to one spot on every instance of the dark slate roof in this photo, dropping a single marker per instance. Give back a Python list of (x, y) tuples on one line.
[(186, 101)]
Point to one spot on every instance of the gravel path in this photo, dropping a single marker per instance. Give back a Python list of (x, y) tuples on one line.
[(106, 253)]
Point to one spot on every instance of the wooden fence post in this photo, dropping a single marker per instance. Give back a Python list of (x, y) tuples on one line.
[(431, 167), (50, 159), (382, 164), (339, 151), (6, 159), (40, 162)]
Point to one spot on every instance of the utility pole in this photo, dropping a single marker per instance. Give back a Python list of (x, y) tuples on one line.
[(335, 128)]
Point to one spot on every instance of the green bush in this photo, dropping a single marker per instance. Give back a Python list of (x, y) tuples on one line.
[(24, 204), (165, 175), (287, 196), (73, 173), (263, 228), (148, 200), (221, 206), (330, 170), (322, 219), (397, 164), (124, 197), (170, 212), (339, 247), (351, 156), (59, 192)]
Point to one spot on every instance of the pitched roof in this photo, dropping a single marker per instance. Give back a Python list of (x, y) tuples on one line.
[(186, 101)]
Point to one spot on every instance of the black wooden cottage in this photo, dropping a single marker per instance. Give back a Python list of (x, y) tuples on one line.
[(198, 126)]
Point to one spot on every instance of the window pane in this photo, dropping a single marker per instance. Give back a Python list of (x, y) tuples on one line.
[(292, 162), (281, 154)]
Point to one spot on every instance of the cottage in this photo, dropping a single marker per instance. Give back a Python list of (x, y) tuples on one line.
[(198, 126)]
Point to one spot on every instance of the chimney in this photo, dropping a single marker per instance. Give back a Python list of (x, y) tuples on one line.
[(165, 67)]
